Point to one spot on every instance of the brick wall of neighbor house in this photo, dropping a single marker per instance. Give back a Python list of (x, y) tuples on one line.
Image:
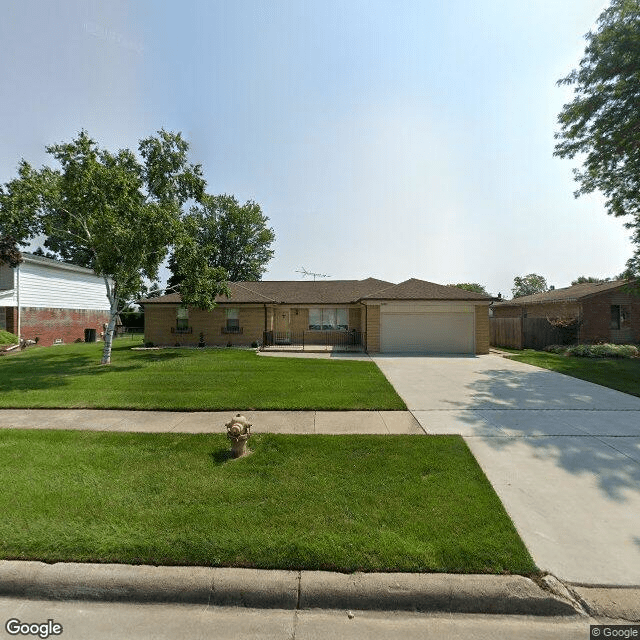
[(596, 314), (506, 312), (546, 310), (66, 325), (554, 310), (373, 328), (482, 329)]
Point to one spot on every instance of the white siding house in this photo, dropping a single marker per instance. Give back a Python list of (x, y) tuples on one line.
[(50, 300)]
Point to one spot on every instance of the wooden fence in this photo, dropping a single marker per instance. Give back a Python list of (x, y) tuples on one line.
[(529, 333), (506, 332)]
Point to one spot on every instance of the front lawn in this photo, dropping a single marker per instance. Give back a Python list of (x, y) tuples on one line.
[(70, 376), (617, 373), (345, 503)]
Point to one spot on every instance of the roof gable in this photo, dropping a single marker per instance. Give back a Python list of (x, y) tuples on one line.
[(566, 294), (292, 292), (414, 289)]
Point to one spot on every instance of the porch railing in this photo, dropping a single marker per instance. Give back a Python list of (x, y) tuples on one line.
[(338, 340)]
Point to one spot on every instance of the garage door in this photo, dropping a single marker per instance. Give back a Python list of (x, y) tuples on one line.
[(427, 332)]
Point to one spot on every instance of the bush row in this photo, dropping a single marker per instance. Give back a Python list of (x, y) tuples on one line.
[(7, 338), (596, 350)]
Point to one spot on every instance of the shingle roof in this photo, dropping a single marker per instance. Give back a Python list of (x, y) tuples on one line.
[(49, 262), (292, 292), (333, 292), (414, 289), (566, 294)]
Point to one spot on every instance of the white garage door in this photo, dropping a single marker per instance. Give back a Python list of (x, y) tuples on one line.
[(427, 332)]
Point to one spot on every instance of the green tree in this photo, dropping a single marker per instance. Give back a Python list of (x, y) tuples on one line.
[(234, 237), (528, 285), (586, 279), (471, 286), (116, 214), (601, 123)]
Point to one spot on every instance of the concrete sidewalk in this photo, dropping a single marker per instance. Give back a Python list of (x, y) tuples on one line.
[(322, 422)]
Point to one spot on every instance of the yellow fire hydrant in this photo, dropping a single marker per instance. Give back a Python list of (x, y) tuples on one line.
[(238, 431)]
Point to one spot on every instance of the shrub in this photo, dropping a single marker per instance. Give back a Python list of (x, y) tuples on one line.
[(555, 348), (604, 351), (8, 338)]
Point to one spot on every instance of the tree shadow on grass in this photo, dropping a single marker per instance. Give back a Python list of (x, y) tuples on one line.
[(56, 367)]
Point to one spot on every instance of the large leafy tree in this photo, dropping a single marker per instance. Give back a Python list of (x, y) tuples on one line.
[(602, 122), (528, 285), (589, 279), (471, 286), (117, 213), (234, 237)]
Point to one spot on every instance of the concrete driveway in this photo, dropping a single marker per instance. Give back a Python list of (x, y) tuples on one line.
[(562, 454)]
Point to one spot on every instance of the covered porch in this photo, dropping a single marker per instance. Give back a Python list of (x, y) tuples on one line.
[(350, 340)]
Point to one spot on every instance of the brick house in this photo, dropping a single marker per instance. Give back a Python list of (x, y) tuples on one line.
[(413, 316), (52, 301), (605, 312)]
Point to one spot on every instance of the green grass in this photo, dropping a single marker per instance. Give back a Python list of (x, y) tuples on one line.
[(620, 374), (70, 376), (7, 338), (345, 503)]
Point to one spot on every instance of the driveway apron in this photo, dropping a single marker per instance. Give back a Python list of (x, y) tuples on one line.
[(563, 455)]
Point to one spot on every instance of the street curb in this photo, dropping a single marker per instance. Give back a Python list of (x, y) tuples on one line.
[(255, 588)]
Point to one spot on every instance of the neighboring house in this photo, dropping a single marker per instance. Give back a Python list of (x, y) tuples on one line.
[(414, 316), (52, 301), (603, 312)]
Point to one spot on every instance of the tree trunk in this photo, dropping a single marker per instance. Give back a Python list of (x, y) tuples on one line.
[(108, 336)]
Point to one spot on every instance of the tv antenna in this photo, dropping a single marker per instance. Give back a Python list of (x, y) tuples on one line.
[(311, 273)]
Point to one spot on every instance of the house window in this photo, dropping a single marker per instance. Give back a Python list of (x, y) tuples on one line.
[(615, 316), (233, 320), (182, 319), (3, 318), (328, 319), (619, 317)]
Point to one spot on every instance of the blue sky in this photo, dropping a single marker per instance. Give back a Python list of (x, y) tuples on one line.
[(388, 139)]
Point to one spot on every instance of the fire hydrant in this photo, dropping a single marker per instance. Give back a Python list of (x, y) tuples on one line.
[(238, 431)]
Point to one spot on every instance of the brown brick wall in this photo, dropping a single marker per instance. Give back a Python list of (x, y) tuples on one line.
[(159, 319), (68, 325), (596, 318), (299, 319), (373, 328), (564, 309), (356, 315), (506, 312), (482, 329)]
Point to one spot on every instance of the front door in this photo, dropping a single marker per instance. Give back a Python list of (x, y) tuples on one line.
[(283, 322)]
